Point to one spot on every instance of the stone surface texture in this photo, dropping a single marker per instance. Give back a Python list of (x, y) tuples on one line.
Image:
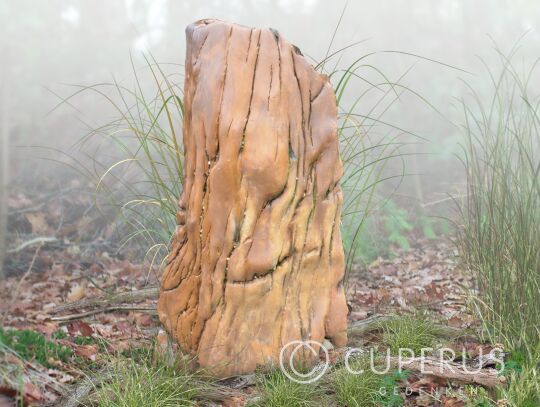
[(257, 258)]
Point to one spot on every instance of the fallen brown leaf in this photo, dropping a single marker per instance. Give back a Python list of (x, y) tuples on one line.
[(38, 222), (76, 293), (87, 351), (80, 328)]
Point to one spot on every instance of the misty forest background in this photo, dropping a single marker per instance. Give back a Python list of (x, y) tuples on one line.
[(48, 47)]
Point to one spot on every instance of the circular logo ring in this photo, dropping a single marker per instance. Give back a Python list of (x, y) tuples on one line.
[(314, 374)]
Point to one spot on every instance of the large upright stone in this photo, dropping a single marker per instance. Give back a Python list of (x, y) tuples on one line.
[(257, 259)]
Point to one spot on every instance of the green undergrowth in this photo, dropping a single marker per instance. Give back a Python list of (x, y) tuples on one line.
[(523, 375), (412, 332), (392, 226), (138, 377), (277, 390), (135, 384), (362, 386), (143, 376), (523, 389), (472, 396), (357, 384), (501, 215), (501, 236), (354, 389), (34, 347)]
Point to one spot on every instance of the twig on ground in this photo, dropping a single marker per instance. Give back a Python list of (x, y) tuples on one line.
[(72, 317), (107, 301), (451, 371), (37, 240), (239, 382), (369, 324)]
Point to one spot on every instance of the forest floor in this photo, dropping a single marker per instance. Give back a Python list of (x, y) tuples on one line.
[(58, 257)]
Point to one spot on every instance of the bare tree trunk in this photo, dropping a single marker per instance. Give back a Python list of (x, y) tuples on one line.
[(257, 259)]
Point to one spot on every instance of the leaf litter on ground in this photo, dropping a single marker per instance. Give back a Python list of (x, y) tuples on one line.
[(80, 264)]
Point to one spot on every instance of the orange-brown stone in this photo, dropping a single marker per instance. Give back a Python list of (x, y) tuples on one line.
[(257, 259)]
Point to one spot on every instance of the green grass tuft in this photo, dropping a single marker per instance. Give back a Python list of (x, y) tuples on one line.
[(501, 237), (524, 388), (277, 390), (408, 332), (355, 390), (366, 389), (136, 384)]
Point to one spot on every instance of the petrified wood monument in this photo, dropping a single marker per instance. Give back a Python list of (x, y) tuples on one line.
[(257, 259)]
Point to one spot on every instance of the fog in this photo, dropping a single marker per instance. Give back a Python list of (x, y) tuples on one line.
[(49, 48)]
